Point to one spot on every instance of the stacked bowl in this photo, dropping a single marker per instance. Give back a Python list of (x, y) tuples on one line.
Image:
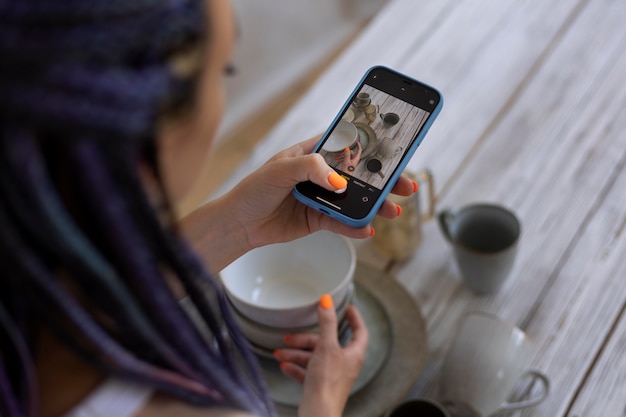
[(275, 289)]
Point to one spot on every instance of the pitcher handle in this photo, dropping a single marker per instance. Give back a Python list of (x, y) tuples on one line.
[(426, 177), (545, 382)]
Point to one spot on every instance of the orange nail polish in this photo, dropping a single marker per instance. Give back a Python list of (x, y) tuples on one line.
[(337, 181), (372, 231), (346, 149), (415, 186), (326, 301), (287, 339), (276, 352), (282, 365), (399, 209)]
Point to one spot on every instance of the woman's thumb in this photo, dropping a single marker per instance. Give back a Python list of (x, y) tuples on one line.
[(327, 320)]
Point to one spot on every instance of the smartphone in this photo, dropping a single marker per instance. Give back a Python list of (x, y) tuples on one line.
[(370, 142)]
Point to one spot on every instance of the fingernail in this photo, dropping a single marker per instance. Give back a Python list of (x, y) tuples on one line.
[(346, 149), (287, 339), (415, 186), (372, 231), (282, 365), (399, 209), (337, 181), (326, 301), (275, 353)]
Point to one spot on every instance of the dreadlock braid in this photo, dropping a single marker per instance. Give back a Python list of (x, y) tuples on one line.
[(82, 86)]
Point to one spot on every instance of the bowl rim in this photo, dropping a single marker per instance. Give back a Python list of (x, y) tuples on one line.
[(348, 277), (347, 124)]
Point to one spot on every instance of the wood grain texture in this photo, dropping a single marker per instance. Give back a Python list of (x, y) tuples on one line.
[(534, 119)]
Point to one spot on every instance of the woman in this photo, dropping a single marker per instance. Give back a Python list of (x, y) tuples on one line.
[(107, 108)]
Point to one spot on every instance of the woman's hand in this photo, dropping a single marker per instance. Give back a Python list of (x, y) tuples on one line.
[(347, 160), (325, 368), (264, 204), (261, 209)]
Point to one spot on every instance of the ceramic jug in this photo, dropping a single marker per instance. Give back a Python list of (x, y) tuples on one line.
[(399, 238)]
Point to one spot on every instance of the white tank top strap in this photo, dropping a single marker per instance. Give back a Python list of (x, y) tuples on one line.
[(113, 398)]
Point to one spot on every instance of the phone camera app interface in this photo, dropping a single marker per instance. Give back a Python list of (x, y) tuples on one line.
[(373, 134)]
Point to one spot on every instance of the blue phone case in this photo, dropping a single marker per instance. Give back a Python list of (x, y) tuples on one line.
[(398, 171)]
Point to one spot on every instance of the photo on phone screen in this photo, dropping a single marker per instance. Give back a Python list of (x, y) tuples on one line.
[(371, 141), (383, 133)]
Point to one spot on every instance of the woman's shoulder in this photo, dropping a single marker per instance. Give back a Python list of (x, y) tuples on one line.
[(114, 397), (166, 406)]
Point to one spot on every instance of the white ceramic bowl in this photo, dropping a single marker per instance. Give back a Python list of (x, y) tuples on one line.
[(344, 135), (271, 338), (280, 285)]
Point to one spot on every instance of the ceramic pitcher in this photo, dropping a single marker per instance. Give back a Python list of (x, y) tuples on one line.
[(399, 238)]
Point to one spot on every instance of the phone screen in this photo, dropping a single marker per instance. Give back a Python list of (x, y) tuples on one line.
[(372, 138)]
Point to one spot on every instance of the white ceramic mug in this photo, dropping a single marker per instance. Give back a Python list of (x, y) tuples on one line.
[(484, 363)]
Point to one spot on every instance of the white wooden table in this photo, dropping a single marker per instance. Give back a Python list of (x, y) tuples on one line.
[(534, 119)]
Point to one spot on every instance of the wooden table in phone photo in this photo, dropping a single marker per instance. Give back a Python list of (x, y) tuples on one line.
[(534, 119)]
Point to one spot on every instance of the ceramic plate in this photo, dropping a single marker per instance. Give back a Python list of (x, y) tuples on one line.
[(263, 353), (407, 354), (285, 391), (348, 116), (387, 309), (367, 137)]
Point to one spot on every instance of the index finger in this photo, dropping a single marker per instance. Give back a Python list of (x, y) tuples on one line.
[(404, 186)]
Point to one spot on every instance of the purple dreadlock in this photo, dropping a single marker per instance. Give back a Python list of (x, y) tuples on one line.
[(82, 85)]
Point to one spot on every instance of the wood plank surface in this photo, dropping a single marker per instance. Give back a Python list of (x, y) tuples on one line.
[(446, 42), (534, 119), (608, 377), (314, 112), (556, 157)]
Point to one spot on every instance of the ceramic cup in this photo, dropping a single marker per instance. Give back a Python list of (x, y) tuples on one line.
[(484, 238), (389, 119), (417, 407), (362, 100), (399, 238), (483, 365), (375, 165)]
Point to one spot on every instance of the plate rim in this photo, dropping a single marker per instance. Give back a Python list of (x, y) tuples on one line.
[(398, 375), (372, 138), (268, 364)]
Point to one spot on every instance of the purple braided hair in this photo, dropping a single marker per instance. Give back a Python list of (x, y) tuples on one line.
[(82, 85)]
